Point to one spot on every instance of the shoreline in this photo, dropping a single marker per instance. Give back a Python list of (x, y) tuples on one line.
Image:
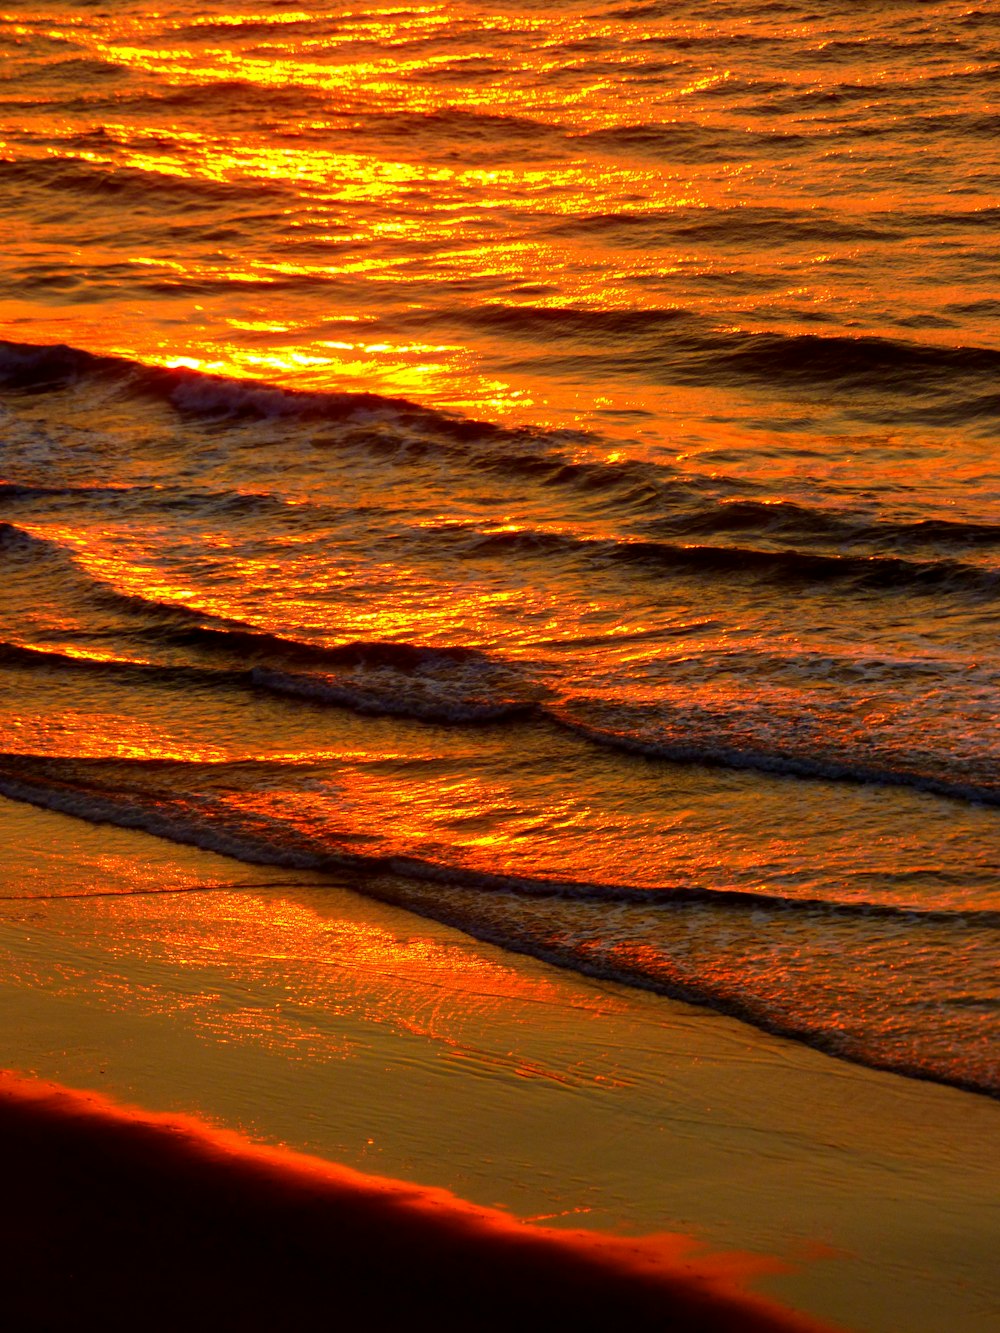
[(311, 1018)]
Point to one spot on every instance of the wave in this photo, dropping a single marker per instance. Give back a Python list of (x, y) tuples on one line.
[(151, 816), (871, 572), (231, 95), (10, 490), (142, 189), (919, 378), (436, 132), (861, 362), (105, 791), (172, 499), (32, 658), (445, 686), (33, 552), (454, 684), (922, 129), (682, 738), (422, 700), (729, 227), (251, 643), (695, 143), (986, 218), (366, 422), (16, 540), (466, 687), (481, 905), (43, 368), (627, 487), (784, 567), (255, 646), (899, 378), (787, 518), (86, 69)]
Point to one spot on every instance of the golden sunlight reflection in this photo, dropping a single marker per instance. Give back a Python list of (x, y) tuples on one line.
[(412, 604), (325, 975), (388, 214)]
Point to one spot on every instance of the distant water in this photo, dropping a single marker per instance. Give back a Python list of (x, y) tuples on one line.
[(541, 459)]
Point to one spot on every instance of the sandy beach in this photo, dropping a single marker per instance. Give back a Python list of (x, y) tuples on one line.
[(305, 1017)]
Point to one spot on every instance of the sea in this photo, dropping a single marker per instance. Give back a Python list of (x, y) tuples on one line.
[(538, 461)]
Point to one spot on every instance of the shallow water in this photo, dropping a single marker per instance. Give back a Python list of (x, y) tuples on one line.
[(611, 567)]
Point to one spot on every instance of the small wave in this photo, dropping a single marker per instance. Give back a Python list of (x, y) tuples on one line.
[(901, 377), (880, 379), (871, 572), (627, 486), (151, 816), (787, 519), (923, 129), (536, 455), (41, 368), (219, 502), (158, 496), (859, 363), (729, 227), (208, 27), (588, 323), (679, 744), (450, 684), (678, 347), (10, 490), (694, 143), (968, 219), (893, 377), (460, 686), (446, 686), (480, 905), (188, 627), (28, 658), (430, 702), (142, 189), (17, 542), (253, 644), (793, 567), (105, 791), (85, 69), (466, 125)]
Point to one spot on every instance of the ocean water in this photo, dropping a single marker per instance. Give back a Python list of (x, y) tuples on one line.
[(540, 461)]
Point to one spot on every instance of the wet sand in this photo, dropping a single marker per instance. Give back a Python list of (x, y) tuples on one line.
[(306, 1016)]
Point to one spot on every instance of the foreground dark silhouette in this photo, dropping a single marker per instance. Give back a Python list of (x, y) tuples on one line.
[(126, 1220)]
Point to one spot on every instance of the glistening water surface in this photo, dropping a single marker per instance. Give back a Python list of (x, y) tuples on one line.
[(540, 460)]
